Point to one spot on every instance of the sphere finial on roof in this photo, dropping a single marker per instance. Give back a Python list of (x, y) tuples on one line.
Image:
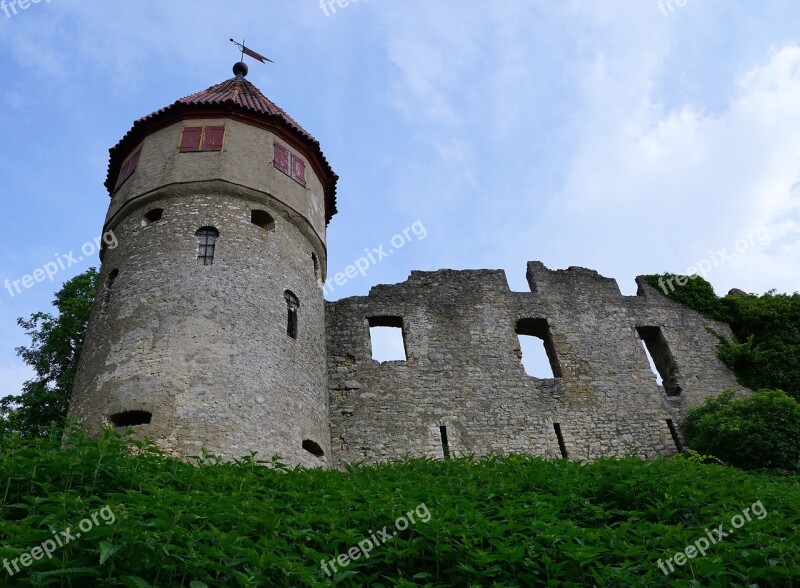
[(240, 69)]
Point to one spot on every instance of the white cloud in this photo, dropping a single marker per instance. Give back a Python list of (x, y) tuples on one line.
[(682, 182)]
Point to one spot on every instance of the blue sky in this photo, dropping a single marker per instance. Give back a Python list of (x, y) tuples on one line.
[(627, 136)]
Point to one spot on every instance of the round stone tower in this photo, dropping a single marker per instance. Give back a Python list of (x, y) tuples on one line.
[(209, 326)]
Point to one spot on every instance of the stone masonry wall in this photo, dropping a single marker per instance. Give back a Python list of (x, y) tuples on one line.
[(463, 370)]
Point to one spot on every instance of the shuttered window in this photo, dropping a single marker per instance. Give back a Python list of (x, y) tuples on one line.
[(281, 158), (128, 168), (290, 164), (212, 138), (298, 170), (190, 140)]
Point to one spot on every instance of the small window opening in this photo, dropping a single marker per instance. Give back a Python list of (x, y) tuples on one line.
[(109, 288), (292, 304), (675, 438), (445, 442), (207, 243), (660, 358), (152, 216), (387, 338), (561, 445), (315, 261), (536, 350), (131, 418), (652, 364), (313, 448), (261, 218)]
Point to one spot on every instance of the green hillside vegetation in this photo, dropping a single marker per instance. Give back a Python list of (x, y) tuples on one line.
[(512, 521)]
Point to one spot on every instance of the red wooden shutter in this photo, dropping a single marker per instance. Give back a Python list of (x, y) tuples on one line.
[(299, 170), (190, 140), (133, 163), (212, 138), (281, 158), (123, 174)]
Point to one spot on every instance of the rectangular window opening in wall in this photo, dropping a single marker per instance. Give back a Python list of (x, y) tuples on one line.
[(536, 350), (675, 437), (387, 338), (131, 418), (560, 437), (660, 358), (445, 442)]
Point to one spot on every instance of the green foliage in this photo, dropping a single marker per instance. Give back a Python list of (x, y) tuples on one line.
[(56, 343), (504, 522), (693, 291), (758, 431), (765, 353)]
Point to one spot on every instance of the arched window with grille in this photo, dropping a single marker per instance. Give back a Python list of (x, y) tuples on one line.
[(207, 243)]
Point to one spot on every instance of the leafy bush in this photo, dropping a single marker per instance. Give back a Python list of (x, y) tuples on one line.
[(766, 348), (758, 431), (693, 291), (503, 522)]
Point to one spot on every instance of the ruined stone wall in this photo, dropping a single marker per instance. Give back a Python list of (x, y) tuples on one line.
[(463, 370)]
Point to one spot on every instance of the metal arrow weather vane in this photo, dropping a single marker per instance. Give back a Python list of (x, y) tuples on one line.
[(251, 53)]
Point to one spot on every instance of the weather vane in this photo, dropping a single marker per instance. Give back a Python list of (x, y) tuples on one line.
[(250, 52)]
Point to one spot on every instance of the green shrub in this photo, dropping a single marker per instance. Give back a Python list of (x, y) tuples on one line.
[(758, 431)]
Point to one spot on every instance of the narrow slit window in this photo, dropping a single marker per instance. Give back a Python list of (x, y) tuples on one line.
[(313, 448), (445, 442), (387, 338), (108, 289), (292, 305), (536, 350), (560, 437), (660, 358), (315, 262), (152, 216), (131, 418), (675, 437), (206, 245)]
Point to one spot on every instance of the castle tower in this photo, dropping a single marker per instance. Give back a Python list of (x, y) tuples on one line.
[(209, 328)]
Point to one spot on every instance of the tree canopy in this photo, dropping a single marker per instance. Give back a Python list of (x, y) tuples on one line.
[(56, 343)]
